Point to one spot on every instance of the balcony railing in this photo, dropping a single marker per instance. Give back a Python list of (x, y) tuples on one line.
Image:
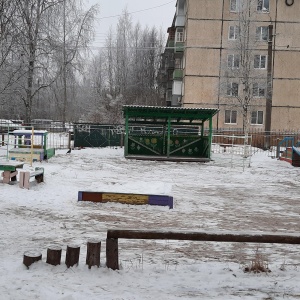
[(179, 47), (177, 74)]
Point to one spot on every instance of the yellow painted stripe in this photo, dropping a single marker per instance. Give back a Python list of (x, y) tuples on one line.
[(125, 198)]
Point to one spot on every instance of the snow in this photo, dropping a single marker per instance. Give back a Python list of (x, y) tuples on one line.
[(207, 197)]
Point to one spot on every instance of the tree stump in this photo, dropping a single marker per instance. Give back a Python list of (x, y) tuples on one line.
[(30, 257), (53, 255), (93, 253), (112, 254), (72, 255)]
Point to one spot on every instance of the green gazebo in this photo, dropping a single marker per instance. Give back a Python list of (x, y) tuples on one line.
[(168, 133)]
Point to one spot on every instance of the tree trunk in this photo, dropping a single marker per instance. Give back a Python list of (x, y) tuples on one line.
[(72, 255), (93, 253), (112, 254), (30, 257), (53, 255)]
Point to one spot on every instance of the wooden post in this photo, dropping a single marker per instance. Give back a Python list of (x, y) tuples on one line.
[(53, 255), (93, 253), (30, 257), (112, 254), (72, 255)]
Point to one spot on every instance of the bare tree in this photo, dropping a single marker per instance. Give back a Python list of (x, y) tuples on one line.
[(242, 80)]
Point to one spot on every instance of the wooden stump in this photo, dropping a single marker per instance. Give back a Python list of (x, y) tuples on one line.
[(30, 257), (112, 254), (93, 253), (53, 255), (72, 255)]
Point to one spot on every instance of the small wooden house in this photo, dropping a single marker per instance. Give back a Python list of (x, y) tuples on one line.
[(30, 145)]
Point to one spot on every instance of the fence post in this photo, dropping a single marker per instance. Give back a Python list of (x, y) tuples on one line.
[(277, 149)]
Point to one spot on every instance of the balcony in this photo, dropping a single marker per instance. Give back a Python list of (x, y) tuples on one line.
[(170, 44), (179, 47), (177, 74)]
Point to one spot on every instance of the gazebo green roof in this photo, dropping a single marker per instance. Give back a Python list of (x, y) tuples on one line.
[(160, 114)]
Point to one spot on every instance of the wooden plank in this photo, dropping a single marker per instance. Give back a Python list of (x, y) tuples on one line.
[(241, 237)]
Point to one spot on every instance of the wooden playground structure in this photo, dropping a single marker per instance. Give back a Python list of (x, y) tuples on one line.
[(30, 146)]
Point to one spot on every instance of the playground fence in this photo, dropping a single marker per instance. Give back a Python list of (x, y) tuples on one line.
[(105, 135)]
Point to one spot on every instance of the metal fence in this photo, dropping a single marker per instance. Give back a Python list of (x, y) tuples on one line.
[(109, 135)]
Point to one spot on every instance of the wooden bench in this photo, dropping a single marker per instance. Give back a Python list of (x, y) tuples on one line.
[(38, 174), (112, 252)]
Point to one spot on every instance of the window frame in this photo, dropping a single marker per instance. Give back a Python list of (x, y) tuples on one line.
[(258, 86), (231, 63), (236, 31), (235, 6), (260, 34), (256, 115), (261, 5), (259, 67), (232, 117), (179, 36), (232, 89)]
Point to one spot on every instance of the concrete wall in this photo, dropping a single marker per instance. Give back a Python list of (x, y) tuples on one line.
[(207, 46)]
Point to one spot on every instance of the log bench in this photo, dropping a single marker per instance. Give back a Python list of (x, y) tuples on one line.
[(112, 252), (38, 174)]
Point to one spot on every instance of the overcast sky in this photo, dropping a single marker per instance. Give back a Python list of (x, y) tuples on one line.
[(157, 13)]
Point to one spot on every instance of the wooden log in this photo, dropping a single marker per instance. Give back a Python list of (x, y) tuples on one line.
[(72, 255), (93, 253), (112, 254), (30, 257), (213, 236), (53, 255)]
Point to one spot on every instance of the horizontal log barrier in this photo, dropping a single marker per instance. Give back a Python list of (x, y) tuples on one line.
[(215, 236)]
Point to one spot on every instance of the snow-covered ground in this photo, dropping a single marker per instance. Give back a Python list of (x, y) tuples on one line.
[(207, 197)]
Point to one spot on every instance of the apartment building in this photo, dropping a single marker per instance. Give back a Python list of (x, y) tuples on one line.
[(240, 56)]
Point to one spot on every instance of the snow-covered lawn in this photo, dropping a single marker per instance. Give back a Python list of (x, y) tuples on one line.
[(207, 197)]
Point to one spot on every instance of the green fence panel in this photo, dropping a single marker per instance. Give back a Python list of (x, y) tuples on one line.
[(94, 135)]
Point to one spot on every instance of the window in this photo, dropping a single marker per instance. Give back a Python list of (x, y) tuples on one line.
[(230, 116), (235, 5), (178, 63), (233, 61), (232, 89), (259, 90), (260, 61), (233, 32), (263, 6), (262, 33), (179, 35), (257, 117)]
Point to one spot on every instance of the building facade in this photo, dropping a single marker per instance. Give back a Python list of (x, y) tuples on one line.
[(240, 56)]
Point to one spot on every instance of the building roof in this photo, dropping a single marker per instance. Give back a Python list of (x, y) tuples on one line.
[(161, 114)]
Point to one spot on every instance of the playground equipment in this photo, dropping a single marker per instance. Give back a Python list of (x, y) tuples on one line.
[(135, 199), (291, 153), (30, 145), (169, 133)]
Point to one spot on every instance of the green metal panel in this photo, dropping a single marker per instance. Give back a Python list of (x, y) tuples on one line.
[(146, 145), (179, 47), (157, 145), (178, 74), (94, 135), (189, 146)]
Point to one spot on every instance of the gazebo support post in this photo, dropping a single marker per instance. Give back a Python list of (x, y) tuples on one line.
[(210, 137), (126, 134), (169, 137)]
